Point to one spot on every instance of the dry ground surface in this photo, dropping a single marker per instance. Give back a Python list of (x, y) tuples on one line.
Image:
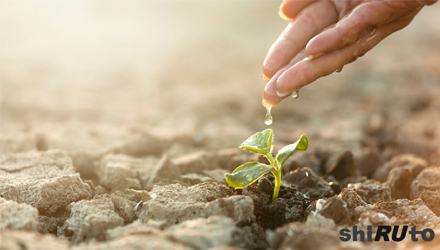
[(119, 119)]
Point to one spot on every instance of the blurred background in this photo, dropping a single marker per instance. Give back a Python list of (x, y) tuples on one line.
[(84, 74)]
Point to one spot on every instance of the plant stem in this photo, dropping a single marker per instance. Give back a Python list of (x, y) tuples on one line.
[(276, 190), (271, 160)]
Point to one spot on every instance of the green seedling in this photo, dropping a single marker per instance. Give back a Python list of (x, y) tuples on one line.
[(262, 143)]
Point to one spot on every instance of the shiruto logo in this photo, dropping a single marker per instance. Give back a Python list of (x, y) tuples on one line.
[(426, 234)]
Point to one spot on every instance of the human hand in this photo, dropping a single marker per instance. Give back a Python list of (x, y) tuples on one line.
[(327, 34)]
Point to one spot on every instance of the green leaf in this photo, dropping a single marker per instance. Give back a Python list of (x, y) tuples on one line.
[(260, 143), (288, 150), (246, 174)]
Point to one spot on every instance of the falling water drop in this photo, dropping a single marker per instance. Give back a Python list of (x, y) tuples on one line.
[(268, 120), (249, 177), (295, 94)]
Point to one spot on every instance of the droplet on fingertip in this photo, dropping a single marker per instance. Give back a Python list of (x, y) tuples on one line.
[(309, 58), (339, 70), (295, 94), (265, 78)]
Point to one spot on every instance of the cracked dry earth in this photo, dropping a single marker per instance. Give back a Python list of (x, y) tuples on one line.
[(109, 151)]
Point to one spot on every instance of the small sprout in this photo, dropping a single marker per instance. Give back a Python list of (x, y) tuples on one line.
[(262, 143)]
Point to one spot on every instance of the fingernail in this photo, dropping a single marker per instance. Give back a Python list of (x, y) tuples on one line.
[(280, 12), (282, 94), (265, 78)]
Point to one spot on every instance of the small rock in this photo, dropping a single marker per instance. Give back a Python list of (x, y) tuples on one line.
[(399, 181), (309, 183), (335, 208), (372, 191), (124, 208), (239, 208), (343, 167), (205, 233), (50, 224), (320, 221), (432, 200), (44, 180), (90, 219), (414, 163), (405, 212), (306, 159), (250, 237), (257, 195), (374, 219), (368, 161), (353, 201), (266, 185), (120, 172), (176, 203), (17, 216), (428, 179), (282, 211), (334, 184)]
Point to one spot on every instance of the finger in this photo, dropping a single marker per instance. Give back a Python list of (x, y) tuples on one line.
[(289, 9), (270, 96), (294, 38), (305, 72), (361, 20)]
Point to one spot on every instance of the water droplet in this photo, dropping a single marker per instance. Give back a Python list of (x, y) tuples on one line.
[(137, 206), (268, 120), (295, 94), (339, 70), (249, 177)]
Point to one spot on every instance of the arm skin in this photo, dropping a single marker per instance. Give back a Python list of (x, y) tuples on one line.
[(324, 35)]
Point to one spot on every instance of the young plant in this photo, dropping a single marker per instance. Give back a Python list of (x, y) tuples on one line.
[(262, 143)]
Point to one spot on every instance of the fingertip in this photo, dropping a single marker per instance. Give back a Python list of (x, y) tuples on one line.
[(313, 47), (270, 97), (265, 78), (268, 73), (282, 14), (290, 80)]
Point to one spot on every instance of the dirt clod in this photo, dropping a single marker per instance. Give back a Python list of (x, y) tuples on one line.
[(372, 191), (426, 180), (17, 216), (414, 163), (90, 219), (309, 183)]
